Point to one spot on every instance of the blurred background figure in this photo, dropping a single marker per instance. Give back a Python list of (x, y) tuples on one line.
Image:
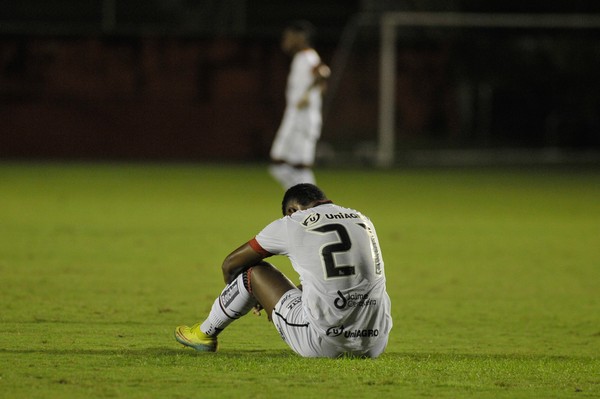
[(413, 83), (293, 150)]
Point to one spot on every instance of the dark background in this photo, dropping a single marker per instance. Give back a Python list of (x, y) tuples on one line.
[(204, 80)]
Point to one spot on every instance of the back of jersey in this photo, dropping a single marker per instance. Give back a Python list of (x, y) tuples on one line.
[(336, 252)]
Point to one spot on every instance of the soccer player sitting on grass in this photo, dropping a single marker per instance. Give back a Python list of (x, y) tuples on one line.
[(340, 308)]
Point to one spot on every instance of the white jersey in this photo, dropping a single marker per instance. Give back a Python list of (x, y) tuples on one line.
[(300, 128), (335, 251)]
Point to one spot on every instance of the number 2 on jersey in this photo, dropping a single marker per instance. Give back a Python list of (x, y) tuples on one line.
[(328, 251)]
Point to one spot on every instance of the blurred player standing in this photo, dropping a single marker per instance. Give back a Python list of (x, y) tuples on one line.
[(341, 307), (293, 150)]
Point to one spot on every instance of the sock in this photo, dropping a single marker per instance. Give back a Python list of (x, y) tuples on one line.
[(302, 176), (234, 302), (282, 173), (289, 176)]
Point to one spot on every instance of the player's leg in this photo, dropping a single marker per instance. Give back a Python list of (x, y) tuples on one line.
[(282, 173), (288, 175), (283, 303), (235, 301), (282, 146), (269, 285), (304, 158), (302, 175)]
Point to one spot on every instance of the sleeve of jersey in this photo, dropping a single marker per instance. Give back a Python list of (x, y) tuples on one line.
[(272, 240)]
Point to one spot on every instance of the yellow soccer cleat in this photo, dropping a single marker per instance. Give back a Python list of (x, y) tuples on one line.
[(193, 337)]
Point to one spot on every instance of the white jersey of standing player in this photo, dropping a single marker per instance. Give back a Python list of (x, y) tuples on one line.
[(335, 251), (295, 141)]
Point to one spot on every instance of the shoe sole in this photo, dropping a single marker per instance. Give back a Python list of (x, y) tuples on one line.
[(199, 347)]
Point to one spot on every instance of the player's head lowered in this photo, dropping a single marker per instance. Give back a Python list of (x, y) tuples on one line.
[(302, 196), (297, 35)]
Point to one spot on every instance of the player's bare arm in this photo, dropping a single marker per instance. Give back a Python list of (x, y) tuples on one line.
[(269, 284), (239, 260), (320, 73)]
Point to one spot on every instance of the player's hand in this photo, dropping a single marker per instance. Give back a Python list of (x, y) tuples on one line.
[(322, 72), (256, 309)]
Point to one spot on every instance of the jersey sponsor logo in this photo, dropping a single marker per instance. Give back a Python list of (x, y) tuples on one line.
[(353, 300), (341, 215), (376, 254), (375, 250), (340, 302), (361, 333), (311, 219), (335, 331)]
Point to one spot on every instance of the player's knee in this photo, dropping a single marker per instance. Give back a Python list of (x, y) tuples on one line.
[(257, 271), (264, 270), (268, 283)]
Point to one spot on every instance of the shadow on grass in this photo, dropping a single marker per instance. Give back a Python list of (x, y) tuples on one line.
[(284, 353), (145, 352)]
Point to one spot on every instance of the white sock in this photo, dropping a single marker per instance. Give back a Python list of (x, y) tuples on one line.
[(289, 176), (304, 175), (234, 302), (281, 173)]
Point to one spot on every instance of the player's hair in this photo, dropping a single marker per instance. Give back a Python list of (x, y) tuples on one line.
[(304, 193), (306, 28)]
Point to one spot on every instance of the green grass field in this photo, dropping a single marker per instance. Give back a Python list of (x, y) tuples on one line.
[(494, 276)]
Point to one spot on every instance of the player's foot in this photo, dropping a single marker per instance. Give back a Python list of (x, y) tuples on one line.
[(193, 337)]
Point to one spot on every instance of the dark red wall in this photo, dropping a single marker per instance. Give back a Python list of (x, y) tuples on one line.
[(139, 98)]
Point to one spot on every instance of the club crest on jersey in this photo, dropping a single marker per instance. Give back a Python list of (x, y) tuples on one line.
[(311, 219)]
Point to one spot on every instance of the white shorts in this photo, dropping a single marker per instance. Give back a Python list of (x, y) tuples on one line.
[(291, 322), (296, 140)]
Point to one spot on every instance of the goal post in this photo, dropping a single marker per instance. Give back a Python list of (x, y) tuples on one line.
[(390, 22)]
